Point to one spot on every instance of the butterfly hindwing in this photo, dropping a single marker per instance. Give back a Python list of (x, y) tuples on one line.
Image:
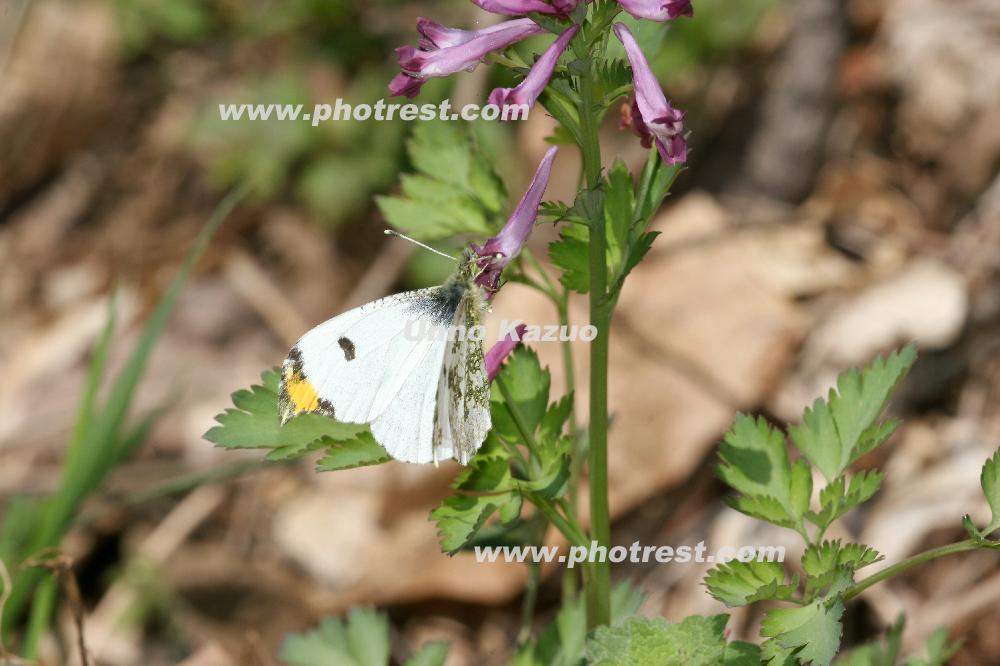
[(463, 402)]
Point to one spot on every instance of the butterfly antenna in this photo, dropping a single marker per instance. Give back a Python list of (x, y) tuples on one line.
[(392, 232)]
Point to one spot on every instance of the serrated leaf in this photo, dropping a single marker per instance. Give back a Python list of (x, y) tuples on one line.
[(253, 423), (614, 79), (363, 640), (528, 384), (459, 518), (755, 463), (740, 583), (455, 190), (835, 500), (554, 421), (812, 631), (763, 508), (641, 641), (486, 487), (835, 431), (358, 452), (800, 488), (618, 202), (821, 559)]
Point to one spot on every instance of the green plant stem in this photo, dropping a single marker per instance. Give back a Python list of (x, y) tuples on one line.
[(529, 602), (909, 563), (43, 605), (598, 584)]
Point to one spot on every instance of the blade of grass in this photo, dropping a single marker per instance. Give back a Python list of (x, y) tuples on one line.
[(97, 444)]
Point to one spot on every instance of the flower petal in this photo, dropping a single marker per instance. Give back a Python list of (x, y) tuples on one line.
[(656, 116), (500, 250), (499, 352), (527, 92), (657, 10)]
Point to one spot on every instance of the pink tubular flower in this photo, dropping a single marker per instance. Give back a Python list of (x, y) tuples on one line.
[(520, 7), (436, 36), (500, 250), (538, 77), (651, 116), (657, 10), (499, 352), (446, 51)]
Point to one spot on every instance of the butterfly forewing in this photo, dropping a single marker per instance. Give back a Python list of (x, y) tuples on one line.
[(391, 363)]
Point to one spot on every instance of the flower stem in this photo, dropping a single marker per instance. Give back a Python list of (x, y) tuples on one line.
[(909, 563), (598, 584)]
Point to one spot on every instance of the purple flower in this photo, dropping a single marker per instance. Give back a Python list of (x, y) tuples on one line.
[(657, 10), (445, 51), (521, 7), (500, 250), (651, 115), (436, 36), (500, 351), (538, 77)]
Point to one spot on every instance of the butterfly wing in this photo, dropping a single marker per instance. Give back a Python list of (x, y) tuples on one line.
[(357, 365), (463, 391)]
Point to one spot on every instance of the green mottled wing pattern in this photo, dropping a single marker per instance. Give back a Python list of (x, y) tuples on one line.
[(463, 399)]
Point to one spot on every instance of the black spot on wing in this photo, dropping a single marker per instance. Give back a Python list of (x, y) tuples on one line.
[(348, 347), (441, 303), (295, 358)]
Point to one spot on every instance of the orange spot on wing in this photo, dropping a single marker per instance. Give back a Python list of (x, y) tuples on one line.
[(301, 393)]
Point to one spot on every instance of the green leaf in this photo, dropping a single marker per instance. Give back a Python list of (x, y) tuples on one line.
[(357, 452), (835, 500), (614, 79), (363, 640), (740, 583), (755, 463), (812, 631), (433, 653), (821, 559), (455, 190), (554, 421), (563, 641), (836, 431), (641, 641), (528, 384), (254, 423), (563, 104), (618, 202), (572, 257), (939, 650), (661, 178), (637, 251), (460, 517)]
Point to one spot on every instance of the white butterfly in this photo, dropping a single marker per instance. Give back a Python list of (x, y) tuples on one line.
[(426, 396)]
